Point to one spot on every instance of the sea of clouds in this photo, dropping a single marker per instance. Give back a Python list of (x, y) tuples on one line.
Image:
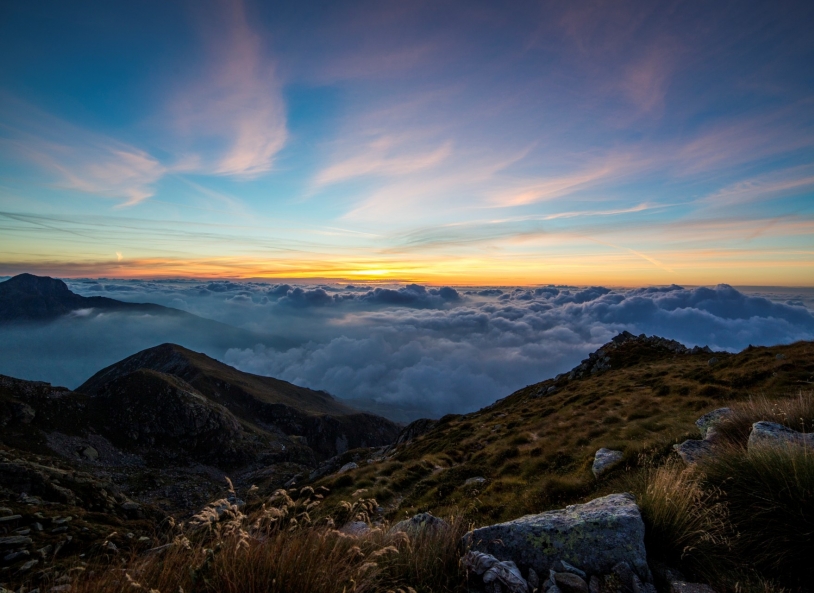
[(442, 350)]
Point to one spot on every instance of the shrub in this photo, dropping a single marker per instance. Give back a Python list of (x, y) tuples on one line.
[(769, 493)]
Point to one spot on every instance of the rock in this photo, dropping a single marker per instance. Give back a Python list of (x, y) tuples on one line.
[(132, 509), (412, 431), (594, 536), (625, 575), (533, 580), (605, 460), (773, 434), (573, 569), (712, 420), (5, 511), (640, 587), (90, 453), (15, 556), (712, 361), (15, 540), (781, 357), (10, 519), (693, 450), (347, 467), (570, 583), (23, 412), (28, 566), (355, 528), (594, 585), (492, 571), (477, 481), (419, 523), (682, 587)]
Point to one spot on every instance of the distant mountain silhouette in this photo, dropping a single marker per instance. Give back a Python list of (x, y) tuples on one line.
[(26, 297)]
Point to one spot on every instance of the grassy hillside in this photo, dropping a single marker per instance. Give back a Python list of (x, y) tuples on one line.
[(535, 447)]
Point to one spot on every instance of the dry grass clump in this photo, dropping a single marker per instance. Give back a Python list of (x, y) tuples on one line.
[(685, 522), (769, 494), (280, 549), (738, 515)]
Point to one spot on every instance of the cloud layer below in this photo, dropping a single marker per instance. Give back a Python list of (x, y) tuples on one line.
[(442, 350)]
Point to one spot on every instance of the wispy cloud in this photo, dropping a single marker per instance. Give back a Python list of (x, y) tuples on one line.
[(236, 101), (384, 156), (75, 158)]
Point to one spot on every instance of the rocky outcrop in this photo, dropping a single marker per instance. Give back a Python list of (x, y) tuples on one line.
[(594, 536), (605, 460), (772, 434), (603, 359), (413, 430)]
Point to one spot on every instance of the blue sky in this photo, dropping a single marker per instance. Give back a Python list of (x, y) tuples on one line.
[(625, 143)]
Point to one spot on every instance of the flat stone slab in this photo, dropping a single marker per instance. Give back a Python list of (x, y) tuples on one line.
[(594, 536)]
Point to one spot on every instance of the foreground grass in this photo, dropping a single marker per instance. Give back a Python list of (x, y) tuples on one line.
[(277, 549), (740, 516)]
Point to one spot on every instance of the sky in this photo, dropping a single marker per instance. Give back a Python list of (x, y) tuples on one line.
[(445, 143)]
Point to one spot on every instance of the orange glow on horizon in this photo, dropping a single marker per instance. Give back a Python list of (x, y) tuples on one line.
[(705, 267)]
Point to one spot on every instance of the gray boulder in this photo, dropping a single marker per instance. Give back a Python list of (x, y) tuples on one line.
[(693, 450), (347, 467), (773, 434), (594, 536), (605, 460), (420, 523), (711, 420)]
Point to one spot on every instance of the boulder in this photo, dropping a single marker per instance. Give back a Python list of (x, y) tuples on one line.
[(477, 481), (605, 460), (355, 528), (90, 453), (712, 419), (347, 467), (492, 571), (773, 434), (420, 523), (594, 536), (693, 450)]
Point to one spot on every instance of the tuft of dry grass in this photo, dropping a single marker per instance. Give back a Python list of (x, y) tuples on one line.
[(769, 494), (685, 522), (796, 412), (279, 549)]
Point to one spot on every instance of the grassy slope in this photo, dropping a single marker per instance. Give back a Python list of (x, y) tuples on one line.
[(536, 451)]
